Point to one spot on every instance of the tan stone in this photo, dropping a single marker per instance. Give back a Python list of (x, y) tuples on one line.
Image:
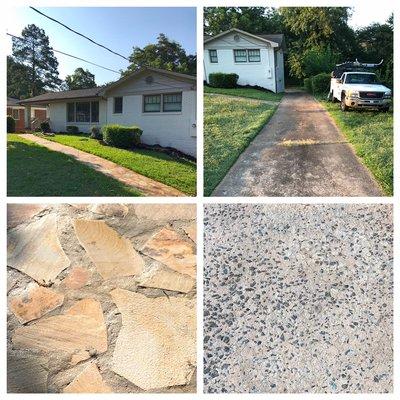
[(36, 251), (165, 212), (112, 254), (81, 355), (82, 327), (162, 277), (35, 302), (88, 381), (156, 346), (191, 231), (20, 213), (77, 278), (27, 374), (110, 210), (169, 248)]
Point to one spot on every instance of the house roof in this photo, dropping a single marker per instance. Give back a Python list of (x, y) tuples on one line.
[(277, 39), (11, 101), (98, 91)]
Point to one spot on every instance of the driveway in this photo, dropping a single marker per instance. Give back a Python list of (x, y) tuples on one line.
[(300, 152)]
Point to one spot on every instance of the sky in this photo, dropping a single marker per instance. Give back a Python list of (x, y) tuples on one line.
[(120, 29), (365, 15)]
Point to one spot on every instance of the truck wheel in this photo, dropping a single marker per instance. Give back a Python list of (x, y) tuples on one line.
[(385, 109), (343, 106)]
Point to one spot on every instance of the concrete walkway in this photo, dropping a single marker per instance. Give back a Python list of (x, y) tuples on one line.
[(146, 186), (300, 152)]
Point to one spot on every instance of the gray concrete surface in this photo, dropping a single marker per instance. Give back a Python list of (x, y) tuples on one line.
[(300, 152), (298, 298)]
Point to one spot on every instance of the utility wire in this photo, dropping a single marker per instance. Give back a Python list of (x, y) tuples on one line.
[(70, 55), (80, 34)]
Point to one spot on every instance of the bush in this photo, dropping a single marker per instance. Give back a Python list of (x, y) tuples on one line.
[(124, 137), (45, 126), (221, 80), (10, 124), (72, 129), (308, 85), (95, 133), (320, 83)]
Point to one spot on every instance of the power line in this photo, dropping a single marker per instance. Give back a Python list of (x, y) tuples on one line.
[(80, 34), (70, 55)]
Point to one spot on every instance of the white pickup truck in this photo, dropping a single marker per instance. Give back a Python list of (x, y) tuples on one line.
[(358, 89)]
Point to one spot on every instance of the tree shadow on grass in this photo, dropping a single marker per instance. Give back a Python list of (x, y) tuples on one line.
[(33, 170)]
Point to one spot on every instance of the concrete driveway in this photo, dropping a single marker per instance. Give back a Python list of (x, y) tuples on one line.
[(300, 152)]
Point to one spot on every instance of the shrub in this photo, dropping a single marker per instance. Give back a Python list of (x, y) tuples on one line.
[(124, 137), (10, 124), (221, 80), (320, 83), (307, 85), (72, 129), (95, 133), (45, 126)]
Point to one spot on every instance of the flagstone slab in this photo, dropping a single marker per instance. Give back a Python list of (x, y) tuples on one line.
[(77, 278), (191, 231), (27, 374), (88, 381), (165, 212), (112, 254), (163, 277), (82, 327), (81, 355), (167, 247), (36, 250), (110, 210), (35, 302), (20, 213), (156, 346)]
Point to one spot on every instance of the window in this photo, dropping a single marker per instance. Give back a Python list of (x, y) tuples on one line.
[(15, 113), (172, 102), (117, 105), (254, 55), (240, 55), (152, 103), (83, 111), (213, 56)]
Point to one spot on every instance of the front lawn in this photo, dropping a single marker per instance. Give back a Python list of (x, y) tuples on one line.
[(230, 124), (178, 173), (251, 93), (371, 134), (34, 170)]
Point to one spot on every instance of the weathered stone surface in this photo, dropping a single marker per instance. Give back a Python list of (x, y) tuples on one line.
[(19, 213), (81, 355), (82, 327), (170, 249), (156, 346), (27, 374), (165, 212), (161, 277), (191, 231), (77, 278), (112, 254), (36, 251), (88, 381), (110, 210), (35, 302)]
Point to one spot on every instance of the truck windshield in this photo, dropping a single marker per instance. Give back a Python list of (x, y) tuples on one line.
[(369, 79)]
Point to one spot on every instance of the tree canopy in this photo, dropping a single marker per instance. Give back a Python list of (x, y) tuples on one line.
[(165, 54), (80, 79)]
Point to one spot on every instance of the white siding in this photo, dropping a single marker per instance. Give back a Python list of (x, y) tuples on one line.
[(58, 117), (255, 73)]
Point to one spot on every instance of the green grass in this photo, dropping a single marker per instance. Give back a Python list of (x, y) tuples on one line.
[(371, 135), (250, 93), (34, 170), (178, 173), (229, 127)]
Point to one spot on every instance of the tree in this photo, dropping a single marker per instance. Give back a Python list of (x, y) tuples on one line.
[(80, 79), (164, 54), (18, 84), (35, 53)]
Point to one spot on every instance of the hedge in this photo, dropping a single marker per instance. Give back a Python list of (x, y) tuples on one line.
[(45, 126), (308, 85), (221, 80), (95, 133), (10, 124), (320, 83), (72, 129), (125, 137)]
